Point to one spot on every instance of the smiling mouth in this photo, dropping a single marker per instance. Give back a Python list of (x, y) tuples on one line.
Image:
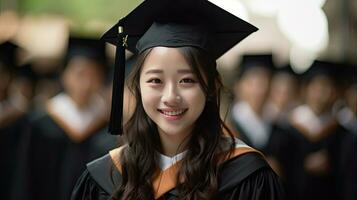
[(173, 113)]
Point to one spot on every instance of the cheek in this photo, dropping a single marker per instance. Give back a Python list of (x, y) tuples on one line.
[(196, 100), (149, 98)]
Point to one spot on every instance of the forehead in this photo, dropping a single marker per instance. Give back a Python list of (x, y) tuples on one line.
[(165, 58)]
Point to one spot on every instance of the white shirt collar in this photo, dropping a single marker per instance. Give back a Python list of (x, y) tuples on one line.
[(347, 119), (78, 119), (255, 128), (166, 162), (303, 115)]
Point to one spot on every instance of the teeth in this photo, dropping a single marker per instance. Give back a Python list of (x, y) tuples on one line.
[(173, 113)]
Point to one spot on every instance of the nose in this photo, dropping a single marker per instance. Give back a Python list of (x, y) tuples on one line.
[(170, 94)]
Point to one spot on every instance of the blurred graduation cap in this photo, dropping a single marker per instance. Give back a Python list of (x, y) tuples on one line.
[(253, 61), (348, 74), (89, 48), (8, 55), (322, 68), (196, 23), (27, 72), (286, 69)]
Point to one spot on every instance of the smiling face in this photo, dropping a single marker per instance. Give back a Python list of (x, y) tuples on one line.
[(170, 92)]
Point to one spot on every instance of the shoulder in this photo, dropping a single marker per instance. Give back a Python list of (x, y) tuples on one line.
[(87, 188), (104, 172), (237, 169), (249, 176), (98, 181), (247, 169)]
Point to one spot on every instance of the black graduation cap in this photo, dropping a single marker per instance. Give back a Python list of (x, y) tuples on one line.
[(196, 23), (322, 68), (8, 52), (286, 69), (347, 74), (27, 72), (90, 48), (252, 61)]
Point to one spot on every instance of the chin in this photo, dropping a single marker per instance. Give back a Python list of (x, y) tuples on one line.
[(173, 131)]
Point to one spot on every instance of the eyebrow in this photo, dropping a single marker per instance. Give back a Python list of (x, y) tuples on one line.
[(154, 71), (185, 71), (158, 71)]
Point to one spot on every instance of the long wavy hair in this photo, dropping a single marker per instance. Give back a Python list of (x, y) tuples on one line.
[(198, 175)]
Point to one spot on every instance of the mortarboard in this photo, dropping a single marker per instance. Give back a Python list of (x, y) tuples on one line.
[(8, 52), (93, 49), (322, 68), (253, 61), (196, 23), (27, 72), (286, 69), (347, 74)]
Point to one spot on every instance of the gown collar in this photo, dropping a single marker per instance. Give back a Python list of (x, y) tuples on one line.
[(77, 123)]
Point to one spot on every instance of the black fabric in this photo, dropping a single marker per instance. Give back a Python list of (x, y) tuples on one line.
[(324, 186), (347, 177), (281, 146), (225, 29), (50, 162), (9, 144), (89, 48), (322, 68), (8, 51), (245, 177), (103, 172), (251, 61)]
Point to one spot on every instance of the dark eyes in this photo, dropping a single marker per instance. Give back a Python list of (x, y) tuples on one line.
[(187, 80), (154, 80), (158, 81)]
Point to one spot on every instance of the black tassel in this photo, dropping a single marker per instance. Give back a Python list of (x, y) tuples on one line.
[(116, 121)]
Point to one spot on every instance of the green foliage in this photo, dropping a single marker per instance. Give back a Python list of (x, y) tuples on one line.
[(80, 12)]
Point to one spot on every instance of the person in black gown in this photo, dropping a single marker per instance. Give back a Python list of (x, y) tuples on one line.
[(319, 137), (66, 135), (174, 143), (16, 91), (249, 114), (284, 95), (347, 118)]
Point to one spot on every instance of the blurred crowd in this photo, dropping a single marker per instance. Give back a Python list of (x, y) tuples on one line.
[(54, 115)]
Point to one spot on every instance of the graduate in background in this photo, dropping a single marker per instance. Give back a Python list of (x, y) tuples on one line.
[(284, 95), (64, 137), (251, 90), (249, 117), (347, 117), (319, 136), (175, 147), (16, 89)]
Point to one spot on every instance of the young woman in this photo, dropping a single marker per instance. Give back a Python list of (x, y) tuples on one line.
[(175, 144)]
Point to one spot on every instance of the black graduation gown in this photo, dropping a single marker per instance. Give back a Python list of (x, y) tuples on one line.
[(244, 177), (51, 161), (279, 146), (9, 143), (347, 173), (323, 186)]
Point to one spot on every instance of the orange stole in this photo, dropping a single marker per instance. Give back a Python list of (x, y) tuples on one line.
[(167, 179)]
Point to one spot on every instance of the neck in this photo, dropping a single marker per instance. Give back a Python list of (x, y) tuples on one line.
[(173, 144), (257, 108), (80, 102)]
